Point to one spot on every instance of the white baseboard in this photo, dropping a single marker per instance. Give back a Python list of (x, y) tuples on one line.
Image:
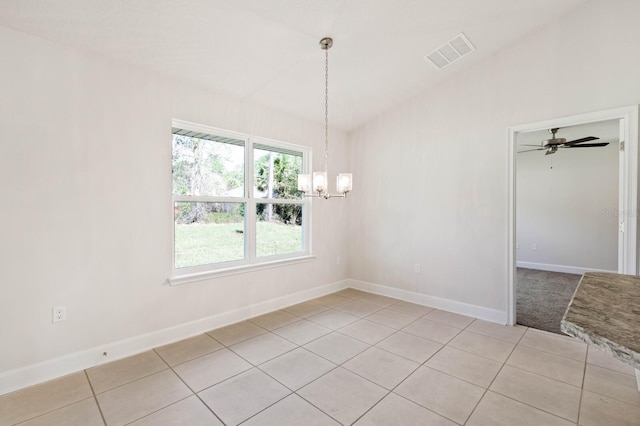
[(19, 378), (487, 314), (559, 268)]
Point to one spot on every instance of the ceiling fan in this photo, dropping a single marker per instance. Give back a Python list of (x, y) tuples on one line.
[(552, 145)]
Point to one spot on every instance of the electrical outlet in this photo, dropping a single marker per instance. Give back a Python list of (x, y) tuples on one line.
[(59, 313), (338, 260), (416, 268), (534, 247), (517, 246)]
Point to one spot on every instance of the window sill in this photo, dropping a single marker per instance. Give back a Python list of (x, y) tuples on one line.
[(201, 276)]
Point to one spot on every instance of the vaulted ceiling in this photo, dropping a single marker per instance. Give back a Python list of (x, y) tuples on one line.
[(266, 51)]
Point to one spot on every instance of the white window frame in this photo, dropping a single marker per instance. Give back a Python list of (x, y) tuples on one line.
[(250, 262)]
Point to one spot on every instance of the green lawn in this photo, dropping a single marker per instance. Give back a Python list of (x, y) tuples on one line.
[(201, 244)]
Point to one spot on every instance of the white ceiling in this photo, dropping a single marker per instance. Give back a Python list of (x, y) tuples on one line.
[(266, 51)]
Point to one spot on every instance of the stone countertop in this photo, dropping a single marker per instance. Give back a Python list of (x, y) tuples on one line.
[(605, 312)]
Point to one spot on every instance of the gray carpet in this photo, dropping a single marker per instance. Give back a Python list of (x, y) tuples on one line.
[(542, 298)]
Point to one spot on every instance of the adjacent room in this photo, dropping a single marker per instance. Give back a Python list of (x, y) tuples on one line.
[(294, 213), (567, 217)]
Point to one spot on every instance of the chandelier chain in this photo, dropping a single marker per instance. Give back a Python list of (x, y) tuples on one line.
[(326, 110)]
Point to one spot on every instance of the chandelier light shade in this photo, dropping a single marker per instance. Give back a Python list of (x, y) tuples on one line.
[(318, 185), (344, 184), (320, 181), (304, 183)]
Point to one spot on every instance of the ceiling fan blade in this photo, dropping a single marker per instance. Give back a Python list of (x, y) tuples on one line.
[(587, 145), (529, 150), (587, 139)]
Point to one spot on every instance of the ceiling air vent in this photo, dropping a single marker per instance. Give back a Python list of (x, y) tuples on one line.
[(451, 51)]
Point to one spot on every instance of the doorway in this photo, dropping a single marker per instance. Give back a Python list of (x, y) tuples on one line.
[(623, 215), (566, 221)]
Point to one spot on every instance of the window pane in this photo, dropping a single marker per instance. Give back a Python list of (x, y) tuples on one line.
[(207, 167), (283, 182), (208, 233), (278, 229)]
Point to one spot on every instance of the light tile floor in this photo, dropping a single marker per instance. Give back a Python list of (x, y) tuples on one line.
[(346, 358)]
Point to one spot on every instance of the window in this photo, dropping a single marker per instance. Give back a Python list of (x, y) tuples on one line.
[(228, 216)]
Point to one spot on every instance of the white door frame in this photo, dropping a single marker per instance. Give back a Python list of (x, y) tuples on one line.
[(628, 189)]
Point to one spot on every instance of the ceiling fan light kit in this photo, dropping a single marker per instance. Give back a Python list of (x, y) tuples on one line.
[(318, 185), (551, 145)]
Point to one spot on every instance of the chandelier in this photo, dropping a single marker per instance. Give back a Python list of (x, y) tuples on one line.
[(319, 186)]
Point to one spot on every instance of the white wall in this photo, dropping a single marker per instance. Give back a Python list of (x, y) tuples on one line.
[(567, 202), (434, 170), (87, 216)]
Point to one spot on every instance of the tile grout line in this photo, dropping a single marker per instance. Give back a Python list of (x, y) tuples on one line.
[(541, 376), (389, 390), (493, 337), (298, 346), (529, 405), (292, 392), (423, 364), (267, 360), (415, 319), (439, 323), (481, 356), (403, 380), (584, 377), (312, 340), (234, 343), (494, 379), (193, 393), (202, 356), (341, 365), (59, 408), (313, 405), (612, 370), (333, 329), (295, 390), (159, 409), (196, 394), (348, 359), (393, 328), (358, 315), (95, 397), (379, 310), (194, 358), (551, 353), (265, 408), (402, 356), (548, 377), (517, 400), (613, 398), (373, 406), (137, 379)]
